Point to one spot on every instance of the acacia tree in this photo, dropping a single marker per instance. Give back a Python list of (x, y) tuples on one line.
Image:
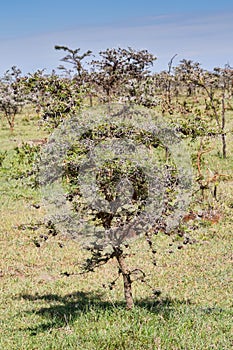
[(188, 73), (54, 97), (215, 87), (225, 83), (12, 95), (119, 69), (113, 190), (78, 72), (74, 59), (216, 84)]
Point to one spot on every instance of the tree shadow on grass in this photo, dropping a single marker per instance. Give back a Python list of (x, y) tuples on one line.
[(64, 310)]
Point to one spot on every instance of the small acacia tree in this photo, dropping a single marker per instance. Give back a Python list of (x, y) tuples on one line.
[(54, 97), (118, 71), (12, 95), (75, 59), (106, 180), (215, 87), (79, 72)]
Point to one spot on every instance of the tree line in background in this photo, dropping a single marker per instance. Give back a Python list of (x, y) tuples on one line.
[(199, 97)]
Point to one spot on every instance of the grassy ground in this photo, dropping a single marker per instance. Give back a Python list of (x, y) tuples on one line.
[(41, 308)]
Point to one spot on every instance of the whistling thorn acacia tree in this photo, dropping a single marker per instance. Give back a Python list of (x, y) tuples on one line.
[(215, 84), (75, 59), (120, 68), (215, 87), (12, 95), (105, 180), (78, 72), (54, 97)]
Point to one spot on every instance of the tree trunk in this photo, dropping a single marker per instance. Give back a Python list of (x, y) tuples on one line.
[(224, 146), (126, 278), (90, 99), (12, 125)]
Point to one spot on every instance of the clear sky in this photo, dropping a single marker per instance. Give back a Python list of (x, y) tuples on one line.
[(201, 30)]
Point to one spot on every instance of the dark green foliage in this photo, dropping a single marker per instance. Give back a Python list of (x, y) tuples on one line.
[(22, 164), (55, 98)]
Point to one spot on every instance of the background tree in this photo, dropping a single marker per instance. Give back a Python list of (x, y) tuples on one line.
[(119, 69), (75, 60), (79, 71), (54, 97), (188, 73), (12, 95), (210, 88), (215, 85)]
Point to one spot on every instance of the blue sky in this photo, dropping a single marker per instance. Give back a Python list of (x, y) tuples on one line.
[(197, 30)]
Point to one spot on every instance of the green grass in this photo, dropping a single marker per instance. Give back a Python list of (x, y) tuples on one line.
[(82, 321), (40, 308)]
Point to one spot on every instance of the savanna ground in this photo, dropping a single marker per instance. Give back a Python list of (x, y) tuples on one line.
[(47, 304)]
